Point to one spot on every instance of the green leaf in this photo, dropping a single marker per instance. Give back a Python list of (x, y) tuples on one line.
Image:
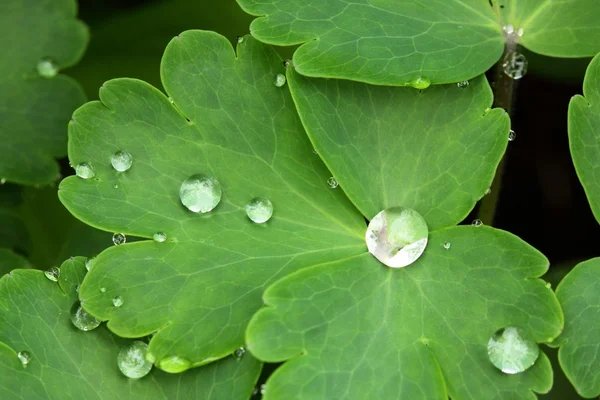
[(566, 28), (200, 287), (383, 42), (67, 363), (435, 151), (579, 296), (358, 328), (34, 110), (584, 135)]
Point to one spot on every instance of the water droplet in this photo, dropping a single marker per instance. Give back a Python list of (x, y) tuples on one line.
[(24, 357), (447, 245), (508, 29), (174, 364), (548, 285), (287, 63), (171, 100), (397, 236), (121, 161), (279, 80), (488, 191), (81, 319), (263, 389), (2, 181), (103, 289), (239, 39), (119, 238), (259, 209), (332, 183), (463, 84), (520, 32), (117, 301), (159, 237), (420, 82), (239, 352), (53, 274), (512, 136), (89, 262), (47, 68), (512, 351), (116, 186), (132, 360), (200, 193), (84, 171), (515, 65), (477, 223)]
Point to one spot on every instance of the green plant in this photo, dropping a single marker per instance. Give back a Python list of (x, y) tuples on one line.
[(383, 105)]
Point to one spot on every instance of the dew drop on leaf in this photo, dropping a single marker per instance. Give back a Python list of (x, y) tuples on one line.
[(81, 319), (477, 223), (47, 68), (24, 357), (117, 301), (332, 183), (515, 65), (132, 360), (121, 161), (89, 262), (159, 237), (508, 29), (488, 191), (420, 82), (259, 209), (200, 193), (239, 39), (512, 136), (174, 364), (119, 238), (263, 389), (52, 273), (84, 171), (512, 351), (279, 80), (397, 236), (239, 352), (103, 289), (447, 245), (463, 84)]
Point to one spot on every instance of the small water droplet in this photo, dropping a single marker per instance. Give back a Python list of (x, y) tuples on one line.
[(548, 285), (520, 32), (254, 391), (121, 161), (279, 80), (174, 364), (103, 289), (463, 84), (24, 357), (477, 223), (487, 191), (420, 82), (81, 319), (84, 171), (239, 39), (512, 351), (115, 186), (159, 237), (332, 183), (315, 151), (200, 193), (259, 209), (447, 245), (117, 301), (171, 100), (77, 288), (263, 389), (508, 29), (89, 262), (287, 63), (2, 181), (52, 273), (239, 352), (397, 236), (119, 238), (512, 136), (515, 65), (47, 68), (132, 360)]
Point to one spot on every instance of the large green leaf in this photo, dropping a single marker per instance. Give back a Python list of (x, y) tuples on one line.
[(435, 151), (34, 110), (584, 135), (200, 287), (67, 363), (355, 329), (579, 296)]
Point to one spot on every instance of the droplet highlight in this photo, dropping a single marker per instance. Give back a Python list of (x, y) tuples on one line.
[(24, 357), (117, 301), (332, 183), (397, 236), (279, 80), (47, 68), (515, 65), (200, 193), (512, 350), (119, 239), (52, 273), (259, 210), (132, 360), (159, 237), (174, 364), (121, 161), (420, 82), (81, 319), (84, 171)]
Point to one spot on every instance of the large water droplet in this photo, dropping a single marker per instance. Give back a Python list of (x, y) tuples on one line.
[(174, 364), (239, 352), (84, 170), (200, 193), (512, 135), (259, 209), (117, 301), (420, 82), (81, 319), (515, 65), (512, 351), (121, 161), (52, 273), (332, 183), (47, 68), (397, 236), (279, 80), (24, 357), (159, 237), (463, 84), (132, 360), (119, 238)]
